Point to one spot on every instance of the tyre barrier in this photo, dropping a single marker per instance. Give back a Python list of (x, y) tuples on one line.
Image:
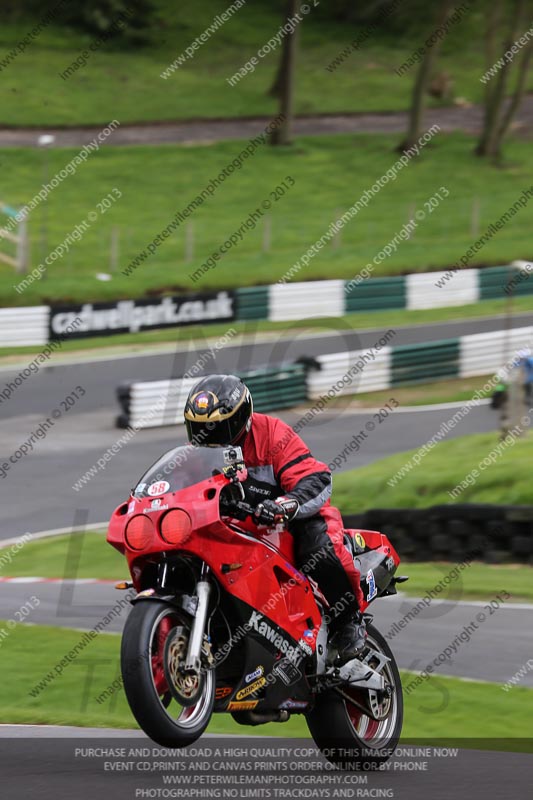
[(493, 534)]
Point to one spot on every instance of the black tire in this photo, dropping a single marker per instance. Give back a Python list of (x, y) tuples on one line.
[(334, 731), (159, 716)]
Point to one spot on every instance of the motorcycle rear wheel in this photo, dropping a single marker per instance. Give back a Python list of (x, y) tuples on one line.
[(160, 716), (345, 734)]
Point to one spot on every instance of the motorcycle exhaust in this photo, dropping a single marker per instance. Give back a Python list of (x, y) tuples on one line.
[(259, 718)]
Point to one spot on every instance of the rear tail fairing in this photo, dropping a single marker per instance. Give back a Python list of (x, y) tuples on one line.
[(377, 561)]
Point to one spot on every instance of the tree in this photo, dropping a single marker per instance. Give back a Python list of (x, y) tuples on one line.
[(423, 78), (277, 85), (498, 112), (283, 86), (125, 21)]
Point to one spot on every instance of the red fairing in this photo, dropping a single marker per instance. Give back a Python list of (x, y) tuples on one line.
[(377, 541), (266, 579), (262, 572)]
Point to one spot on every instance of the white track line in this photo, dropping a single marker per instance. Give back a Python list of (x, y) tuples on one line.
[(365, 411), (438, 406)]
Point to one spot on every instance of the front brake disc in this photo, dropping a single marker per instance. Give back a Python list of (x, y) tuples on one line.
[(186, 688)]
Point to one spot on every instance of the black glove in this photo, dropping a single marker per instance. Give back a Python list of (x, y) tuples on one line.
[(282, 509)]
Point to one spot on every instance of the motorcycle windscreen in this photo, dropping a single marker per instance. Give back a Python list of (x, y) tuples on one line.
[(182, 467)]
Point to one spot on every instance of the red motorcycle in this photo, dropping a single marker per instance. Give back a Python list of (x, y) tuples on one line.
[(223, 622)]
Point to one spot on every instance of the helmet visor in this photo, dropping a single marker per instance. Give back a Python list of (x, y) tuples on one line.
[(212, 434)]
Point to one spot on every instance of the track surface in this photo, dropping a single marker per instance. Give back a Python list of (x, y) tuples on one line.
[(75, 766), (41, 392)]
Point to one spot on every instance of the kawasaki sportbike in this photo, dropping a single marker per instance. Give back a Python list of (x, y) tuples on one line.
[(223, 622)]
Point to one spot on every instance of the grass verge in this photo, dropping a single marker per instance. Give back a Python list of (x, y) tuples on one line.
[(76, 555), (51, 558), (423, 394), (174, 176), (477, 582), (127, 83), (507, 481), (467, 709)]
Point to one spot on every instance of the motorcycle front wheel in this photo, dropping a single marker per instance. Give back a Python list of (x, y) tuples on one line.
[(344, 733), (148, 662)]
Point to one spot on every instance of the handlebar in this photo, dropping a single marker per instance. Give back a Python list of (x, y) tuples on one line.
[(243, 510), (231, 472), (246, 508)]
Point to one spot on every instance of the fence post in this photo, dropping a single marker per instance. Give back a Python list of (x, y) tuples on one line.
[(20, 239)]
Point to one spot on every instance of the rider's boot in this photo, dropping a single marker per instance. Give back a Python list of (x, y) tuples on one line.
[(349, 640)]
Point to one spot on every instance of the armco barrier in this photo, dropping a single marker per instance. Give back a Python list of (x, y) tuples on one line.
[(281, 387), (299, 301), (480, 532), (376, 294), (464, 357), (283, 302), (151, 404), (334, 368), (252, 302), (419, 363), (23, 327), (492, 282), (423, 290), (482, 353), (154, 403)]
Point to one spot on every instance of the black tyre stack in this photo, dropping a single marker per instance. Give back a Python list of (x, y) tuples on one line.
[(482, 532)]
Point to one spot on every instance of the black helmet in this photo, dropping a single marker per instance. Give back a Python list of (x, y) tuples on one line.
[(218, 411)]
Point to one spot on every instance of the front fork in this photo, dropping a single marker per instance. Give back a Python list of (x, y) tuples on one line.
[(198, 628)]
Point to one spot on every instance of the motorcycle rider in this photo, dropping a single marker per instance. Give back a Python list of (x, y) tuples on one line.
[(284, 482)]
